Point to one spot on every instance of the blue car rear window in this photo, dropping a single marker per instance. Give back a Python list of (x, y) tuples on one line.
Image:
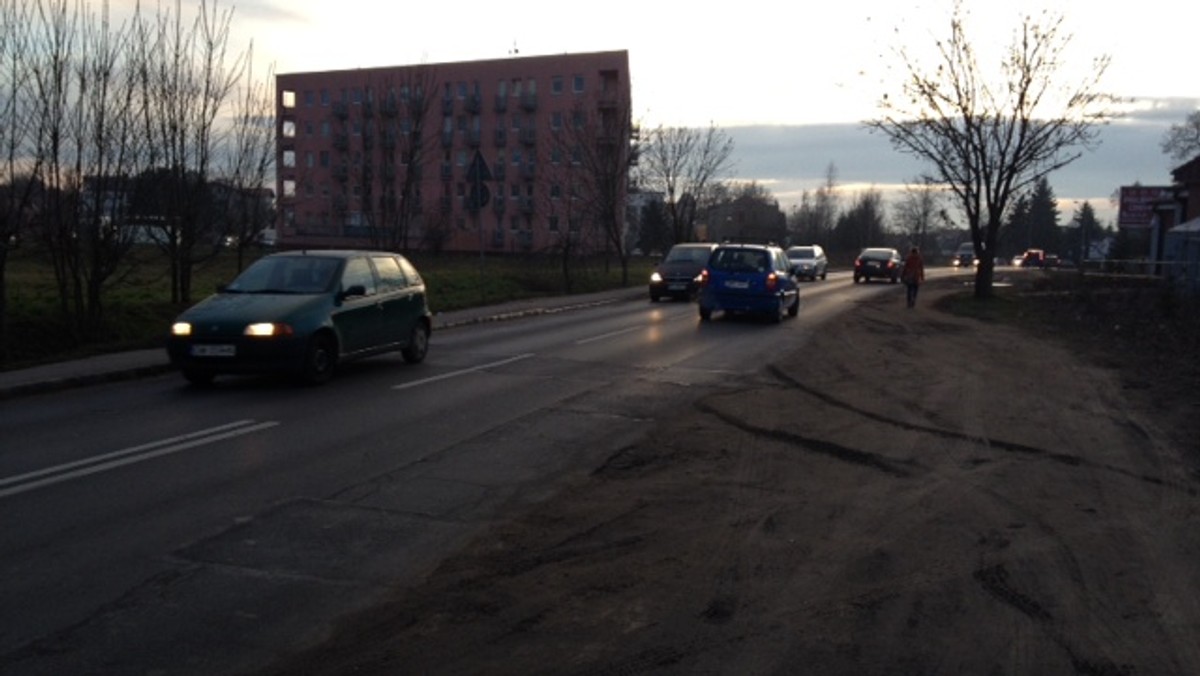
[(740, 260)]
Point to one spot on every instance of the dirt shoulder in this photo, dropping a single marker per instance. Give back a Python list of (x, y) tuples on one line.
[(947, 495)]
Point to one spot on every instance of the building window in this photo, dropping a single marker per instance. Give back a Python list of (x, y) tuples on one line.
[(325, 129), (556, 155), (324, 158), (289, 188), (462, 90), (577, 119), (556, 120), (324, 97), (461, 158), (578, 84), (556, 85), (553, 223), (555, 191), (289, 159), (309, 98), (308, 128), (310, 160), (289, 98), (357, 96)]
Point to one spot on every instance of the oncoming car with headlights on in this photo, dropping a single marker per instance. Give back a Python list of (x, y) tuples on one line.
[(302, 313)]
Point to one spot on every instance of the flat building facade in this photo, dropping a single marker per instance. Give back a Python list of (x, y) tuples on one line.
[(518, 154)]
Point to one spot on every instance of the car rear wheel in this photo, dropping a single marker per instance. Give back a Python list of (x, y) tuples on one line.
[(319, 360), (794, 309), (418, 344), (705, 313)]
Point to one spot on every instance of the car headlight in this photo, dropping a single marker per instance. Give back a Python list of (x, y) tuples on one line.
[(655, 278), (181, 329), (268, 330)]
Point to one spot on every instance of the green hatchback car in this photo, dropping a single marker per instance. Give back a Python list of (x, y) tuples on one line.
[(303, 312)]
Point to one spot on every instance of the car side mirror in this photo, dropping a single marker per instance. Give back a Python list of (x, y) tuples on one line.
[(356, 290)]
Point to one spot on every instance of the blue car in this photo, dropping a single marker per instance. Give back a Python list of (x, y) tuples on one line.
[(749, 279)]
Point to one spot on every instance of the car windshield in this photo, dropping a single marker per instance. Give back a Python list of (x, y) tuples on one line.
[(286, 274), (740, 260), (688, 254), (801, 252), (876, 254)]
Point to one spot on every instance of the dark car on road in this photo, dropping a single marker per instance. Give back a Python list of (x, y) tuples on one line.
[(749, 279), (964, 256), (810, 262), (302, 313), (877, 263), (678, 275)]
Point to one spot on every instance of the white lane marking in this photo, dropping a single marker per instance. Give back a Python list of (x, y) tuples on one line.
[(463, 372), (611, 334), (80, 468)]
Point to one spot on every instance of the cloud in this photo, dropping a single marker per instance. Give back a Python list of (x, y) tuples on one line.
[(792, 159)]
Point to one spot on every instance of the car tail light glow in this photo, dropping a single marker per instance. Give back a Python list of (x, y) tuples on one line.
[(772, 281), (702, 278)]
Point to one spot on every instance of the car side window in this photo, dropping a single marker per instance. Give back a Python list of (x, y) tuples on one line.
[(391, 277), (358, 272)]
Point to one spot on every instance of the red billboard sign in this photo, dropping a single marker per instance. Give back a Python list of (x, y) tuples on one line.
[(1137, 205)]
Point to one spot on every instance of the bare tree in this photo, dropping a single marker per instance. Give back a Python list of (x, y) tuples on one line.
[(19, 168), (187, 78), (813, 220), (919, 209), (684, 164), (88, 144), (249, 162), (988, 140), (1182, 141), (600, 148)]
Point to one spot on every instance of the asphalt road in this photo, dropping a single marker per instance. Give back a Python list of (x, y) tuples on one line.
[(151, 527)]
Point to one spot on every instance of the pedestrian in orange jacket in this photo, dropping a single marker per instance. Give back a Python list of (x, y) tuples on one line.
[(912, 274)]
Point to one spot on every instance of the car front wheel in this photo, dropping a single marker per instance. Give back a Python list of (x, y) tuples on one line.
[(705, 313), (319, 360)]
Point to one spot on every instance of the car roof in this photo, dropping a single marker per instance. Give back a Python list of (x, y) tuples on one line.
[(879, 250), (331, 253)]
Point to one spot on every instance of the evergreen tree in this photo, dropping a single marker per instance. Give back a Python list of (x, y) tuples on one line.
[(1043, 218)]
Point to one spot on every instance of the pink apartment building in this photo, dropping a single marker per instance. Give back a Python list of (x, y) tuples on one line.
[(509, 155)]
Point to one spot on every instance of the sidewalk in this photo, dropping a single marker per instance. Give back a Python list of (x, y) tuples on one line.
[(142, 363)]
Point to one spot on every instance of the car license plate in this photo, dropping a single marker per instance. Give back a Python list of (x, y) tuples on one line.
[(677, 287), (735, 284), (214, 350)]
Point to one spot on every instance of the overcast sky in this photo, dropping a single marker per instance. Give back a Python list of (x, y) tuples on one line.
[(791, 82)]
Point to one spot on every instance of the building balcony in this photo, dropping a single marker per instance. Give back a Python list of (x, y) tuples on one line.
[(474, 138), (501, 103), (529, 102), (526, 205), (529, 137), (447, 106), (474, 104), (341, 110), (499, 171), (340, 173), (528, 171)]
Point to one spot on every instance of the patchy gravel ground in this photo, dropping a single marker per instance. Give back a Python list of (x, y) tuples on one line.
[(947, 496)]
